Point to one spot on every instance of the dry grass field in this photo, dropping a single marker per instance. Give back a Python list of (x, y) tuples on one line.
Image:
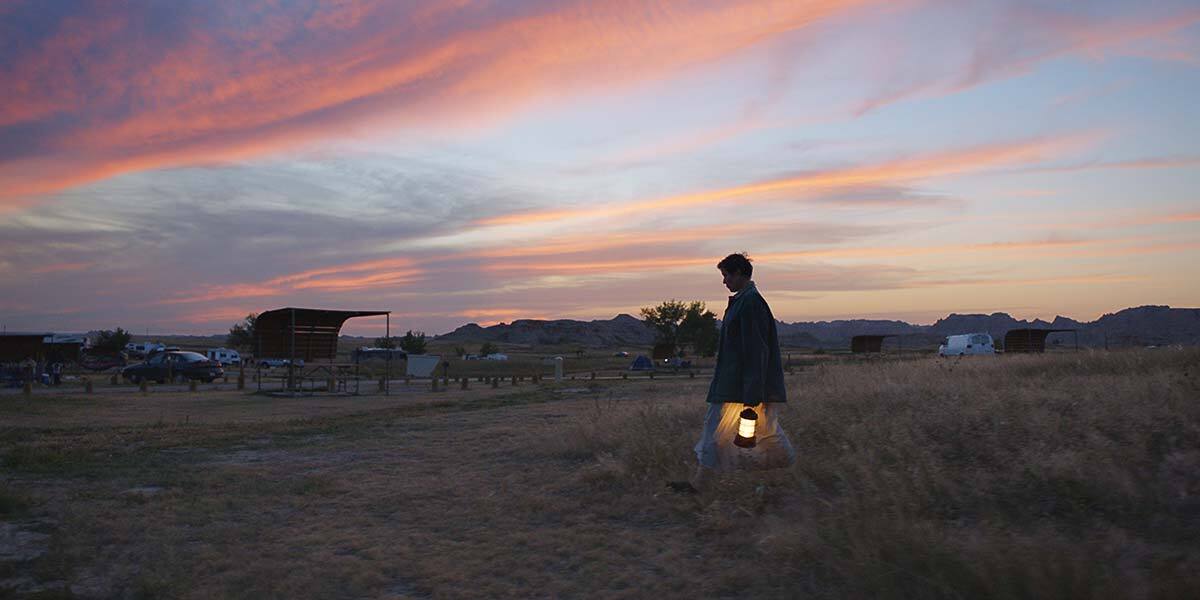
[(1058, 476)]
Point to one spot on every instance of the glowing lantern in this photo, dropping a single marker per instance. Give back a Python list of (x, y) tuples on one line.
[(745, 435)]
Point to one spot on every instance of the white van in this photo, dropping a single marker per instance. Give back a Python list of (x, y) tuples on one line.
[(224, 356), (967, 343)]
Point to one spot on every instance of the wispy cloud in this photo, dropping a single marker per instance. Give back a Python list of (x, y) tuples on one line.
[(203, 83), (1017, 39), (898, 170)]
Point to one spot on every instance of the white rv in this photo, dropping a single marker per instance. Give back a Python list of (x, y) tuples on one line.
[(967, 343), (224, 356), (144, 348)]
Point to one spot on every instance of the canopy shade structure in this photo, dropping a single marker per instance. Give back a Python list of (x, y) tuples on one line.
[(16, 347), (302, 333), (860, 344), (1031, 340)]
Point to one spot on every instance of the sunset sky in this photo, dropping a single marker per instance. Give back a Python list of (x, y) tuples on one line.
[(171, 166)]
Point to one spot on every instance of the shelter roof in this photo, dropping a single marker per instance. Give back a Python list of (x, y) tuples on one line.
[(16, 347), (302, 333)]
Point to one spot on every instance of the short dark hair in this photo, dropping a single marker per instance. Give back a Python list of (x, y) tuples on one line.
[(737, 263)]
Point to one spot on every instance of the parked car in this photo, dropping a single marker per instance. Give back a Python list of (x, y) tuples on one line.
[(967, 344), (178, 363), (621, 354)]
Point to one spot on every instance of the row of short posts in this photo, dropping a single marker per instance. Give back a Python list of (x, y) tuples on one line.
[(143, 386)]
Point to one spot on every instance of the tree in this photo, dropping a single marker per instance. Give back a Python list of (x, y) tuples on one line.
[(459, 351), (698, 329), (665, 319), (385, 342), (413, 343), (488, 348), (111, 342), (241, 335)]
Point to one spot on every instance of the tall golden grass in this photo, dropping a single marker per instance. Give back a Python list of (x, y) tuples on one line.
[(1073, 475), (1054, 476)]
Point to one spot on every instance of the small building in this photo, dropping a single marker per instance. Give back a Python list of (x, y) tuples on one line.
[(1031, 339), (862, 344)]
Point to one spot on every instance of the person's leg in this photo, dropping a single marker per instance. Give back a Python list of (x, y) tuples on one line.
[(777, 447), (706, 454), (707, 451)]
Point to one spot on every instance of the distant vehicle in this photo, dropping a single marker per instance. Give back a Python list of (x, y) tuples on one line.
[(268, 363), (496, 356), (143, 348), (189, 365), (967, 344), (161, 348), (224, 356), (677, 363), (621, 354)]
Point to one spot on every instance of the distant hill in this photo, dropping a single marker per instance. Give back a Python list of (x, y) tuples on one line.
[(621, 330), (1140, 326)]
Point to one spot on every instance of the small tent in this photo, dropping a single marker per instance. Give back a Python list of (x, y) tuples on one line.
[(641, 363), (422, 365)]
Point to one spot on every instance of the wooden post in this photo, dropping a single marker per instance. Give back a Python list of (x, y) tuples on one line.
[(464, 383), (241, 380), (514, 380), (593, 375), (408, 380), (191, 385), (651, 374), (433, 386), (113, 380), (331, 385), (87, 386), (624, 375), (382, 383), (691, 374), (495, 382), (144, 387), (27, 391)]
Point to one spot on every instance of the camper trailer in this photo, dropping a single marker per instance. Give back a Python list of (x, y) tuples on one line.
[(966, 344), (143, 348), (224, 356)]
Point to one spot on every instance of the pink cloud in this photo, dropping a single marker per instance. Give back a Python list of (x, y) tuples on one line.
[(233, 82)]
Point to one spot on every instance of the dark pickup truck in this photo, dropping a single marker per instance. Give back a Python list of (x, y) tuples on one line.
[(178, 363)]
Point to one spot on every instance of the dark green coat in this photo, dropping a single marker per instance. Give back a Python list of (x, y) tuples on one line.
[(749, 370)]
